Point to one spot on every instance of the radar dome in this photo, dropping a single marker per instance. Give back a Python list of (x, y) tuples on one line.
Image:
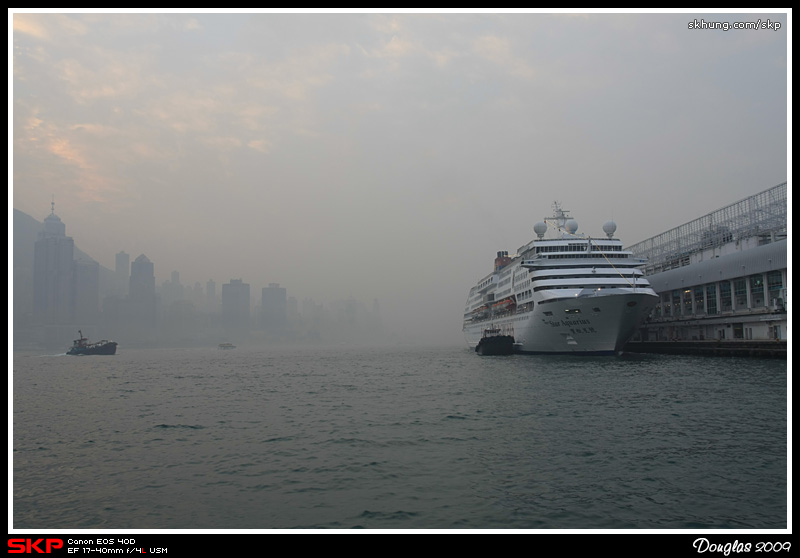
[(540, 228), (571, 226), (610, 227)]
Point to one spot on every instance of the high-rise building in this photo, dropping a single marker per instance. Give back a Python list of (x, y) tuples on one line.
[(211, 296), (143, 279), (53, 280), (122, 272), (122, 263), (172, 290), (142, 292), (236, 304), (273, 308)]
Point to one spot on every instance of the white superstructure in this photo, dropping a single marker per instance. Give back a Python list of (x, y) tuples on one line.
[(568, 293)]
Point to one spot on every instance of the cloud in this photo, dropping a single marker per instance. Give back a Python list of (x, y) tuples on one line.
[(48, 27), (30, 25), (74, 152), (498, 50), (262, 146), (192, 24)]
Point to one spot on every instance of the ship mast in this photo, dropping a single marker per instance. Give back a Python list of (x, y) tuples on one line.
[(563, 222), (560, 215)]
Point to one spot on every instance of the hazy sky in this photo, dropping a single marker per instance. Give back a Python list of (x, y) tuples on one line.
[(384, 155)]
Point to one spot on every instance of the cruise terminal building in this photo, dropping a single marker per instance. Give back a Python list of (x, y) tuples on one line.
[(722, 280)]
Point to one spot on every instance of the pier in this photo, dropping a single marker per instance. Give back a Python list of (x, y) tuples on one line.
[(722, 281), (755, 349)]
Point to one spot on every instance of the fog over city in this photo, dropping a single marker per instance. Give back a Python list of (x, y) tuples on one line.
[(384, 156)]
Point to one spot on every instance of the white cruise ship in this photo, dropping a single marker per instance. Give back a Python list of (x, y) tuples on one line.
[(563, 292)]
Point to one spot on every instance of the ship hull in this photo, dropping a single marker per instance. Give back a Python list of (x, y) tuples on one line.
[(105, 349), (590, 325)]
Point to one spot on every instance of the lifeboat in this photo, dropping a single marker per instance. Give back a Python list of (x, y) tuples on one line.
[(504, 305)]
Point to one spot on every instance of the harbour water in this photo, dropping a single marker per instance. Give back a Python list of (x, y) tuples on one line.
[(397, 438)]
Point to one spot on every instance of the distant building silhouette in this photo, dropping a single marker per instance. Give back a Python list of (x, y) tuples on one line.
[(66, 292), (236, 304), (142, 293), (172, 290), (86, 294), (211, 296), (53, 279), (273, 308), (122, 272)]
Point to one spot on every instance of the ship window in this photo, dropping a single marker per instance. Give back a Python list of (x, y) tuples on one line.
[(548, 313), (595, 309), (572, 311)]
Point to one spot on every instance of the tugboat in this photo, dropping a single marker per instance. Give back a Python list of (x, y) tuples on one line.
[(494, 342), (82, 346)]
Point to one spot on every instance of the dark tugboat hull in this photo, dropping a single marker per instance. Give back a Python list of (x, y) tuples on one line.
[(496, 345), (105, 349)]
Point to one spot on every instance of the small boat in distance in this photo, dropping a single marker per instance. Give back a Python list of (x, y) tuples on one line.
[(81, 346), (226, 346)]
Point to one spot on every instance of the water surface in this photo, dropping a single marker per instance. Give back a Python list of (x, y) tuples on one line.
[(401, 437)]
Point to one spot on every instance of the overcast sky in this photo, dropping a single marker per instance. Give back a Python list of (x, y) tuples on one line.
[(384, 155)]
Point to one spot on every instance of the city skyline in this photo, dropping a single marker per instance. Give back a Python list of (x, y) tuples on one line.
[(163, 275), (130, 305)]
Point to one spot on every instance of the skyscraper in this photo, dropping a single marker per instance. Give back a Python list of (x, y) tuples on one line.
[(273, 308), (142, 292), (236, 304), (143, 279), (122, 273), (211, 296), (53, 281)]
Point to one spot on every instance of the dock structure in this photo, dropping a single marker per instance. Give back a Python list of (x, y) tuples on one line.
[(722, 281), (760, 349)]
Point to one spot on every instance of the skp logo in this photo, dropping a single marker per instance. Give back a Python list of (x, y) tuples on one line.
[(29, 546)]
